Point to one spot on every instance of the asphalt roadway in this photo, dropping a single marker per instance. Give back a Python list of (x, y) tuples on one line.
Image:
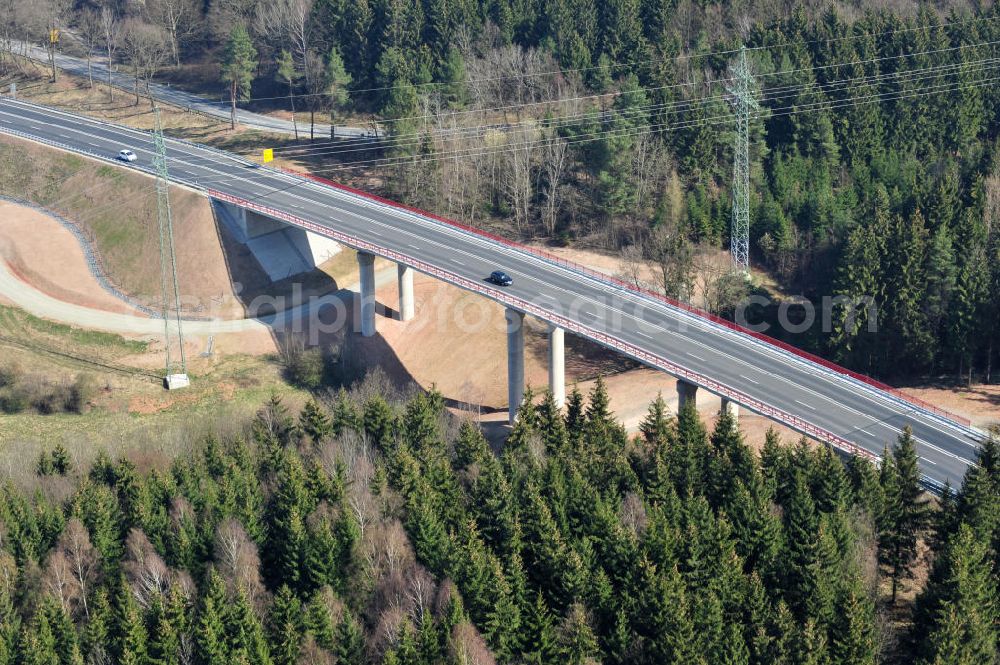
[(802, 394), (125, 81)]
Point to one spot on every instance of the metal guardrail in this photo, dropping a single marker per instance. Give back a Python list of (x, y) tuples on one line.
[(603, 338), (767, 340)]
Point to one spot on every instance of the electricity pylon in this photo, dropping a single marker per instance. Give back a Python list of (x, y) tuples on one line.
[(742, 89), (176, 365)]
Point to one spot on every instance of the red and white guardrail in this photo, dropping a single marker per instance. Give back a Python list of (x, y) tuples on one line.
[(517, 303)]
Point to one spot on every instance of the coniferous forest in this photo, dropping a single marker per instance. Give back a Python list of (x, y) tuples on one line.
[(375, 530)]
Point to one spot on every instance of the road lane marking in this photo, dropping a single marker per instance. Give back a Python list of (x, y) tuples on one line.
[(458, 262), (744, 376), (808, 406), (694, 356), (639, 332), (208, 162)]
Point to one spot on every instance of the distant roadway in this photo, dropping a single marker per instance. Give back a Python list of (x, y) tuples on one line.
[(804, 395), (189, 100)]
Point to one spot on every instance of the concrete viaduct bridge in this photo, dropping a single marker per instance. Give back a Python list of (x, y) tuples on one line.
[(853, 413)]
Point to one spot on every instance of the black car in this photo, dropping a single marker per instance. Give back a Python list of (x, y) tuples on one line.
[(500, 278)]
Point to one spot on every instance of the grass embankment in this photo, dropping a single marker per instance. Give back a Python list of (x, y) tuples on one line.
[(126, 409)]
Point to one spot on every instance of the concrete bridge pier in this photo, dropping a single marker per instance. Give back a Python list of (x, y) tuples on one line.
[(515, 362), (686, 393), (404, 275), (366, 269), (732, 407), (557, 364)]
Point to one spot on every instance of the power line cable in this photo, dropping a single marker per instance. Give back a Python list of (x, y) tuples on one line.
[(636, 63), (774, 94)]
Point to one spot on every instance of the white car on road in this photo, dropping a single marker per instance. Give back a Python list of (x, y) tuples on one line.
[(127, 155)]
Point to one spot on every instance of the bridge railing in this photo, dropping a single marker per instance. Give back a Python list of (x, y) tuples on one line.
[(571, 265), (506, 298), (619, 283)]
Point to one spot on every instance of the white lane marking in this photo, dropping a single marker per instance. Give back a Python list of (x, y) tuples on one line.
[(929, 461), (458, 262), (412, 246), (437, 228), (747, 378), (808, 406), (639, 332), (694, 356), (427, 225)]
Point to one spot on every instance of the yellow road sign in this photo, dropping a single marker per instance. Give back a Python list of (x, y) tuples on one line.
[(54, 35), (268, 155)]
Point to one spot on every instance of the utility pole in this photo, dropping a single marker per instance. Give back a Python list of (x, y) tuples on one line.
[(176, 366), (742, 89)]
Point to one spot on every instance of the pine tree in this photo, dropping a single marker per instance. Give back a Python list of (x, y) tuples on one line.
[(957, 615), (577, 642), (905, 516), (285, 627), (575, 419), (96, 635), (38, 644), (336, 84), (345, 415), (941, 277), (210, 629), (245, 633), (350, 643), (314, 422), (239, 61), (658, 429), (853, 637), (911, 336), (131, 633), (540, 645), (318, 621), (67, 645), (800, 532)]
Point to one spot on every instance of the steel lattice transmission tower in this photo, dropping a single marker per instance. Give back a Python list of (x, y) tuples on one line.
[(742, 89), (176, 364)]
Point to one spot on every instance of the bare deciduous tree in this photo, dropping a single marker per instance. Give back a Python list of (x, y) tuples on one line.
[(179, 19), (672, 252), (468, 647), (238, 560), (555, 160), (289, 22), (111, 31), (146, 572), (516, 175), (58, 580), (146, 48), (90, 31), (84, 559)]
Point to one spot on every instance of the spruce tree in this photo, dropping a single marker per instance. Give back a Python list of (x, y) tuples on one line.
[(540, 645), (350, 644), (957, 615), (210, 638), (285, 627), (905, 516), (314, 422)]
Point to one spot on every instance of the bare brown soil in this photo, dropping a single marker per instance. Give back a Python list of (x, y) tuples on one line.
[(43, 253)]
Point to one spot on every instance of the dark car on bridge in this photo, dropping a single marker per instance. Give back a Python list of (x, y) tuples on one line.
[(500, 278)]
